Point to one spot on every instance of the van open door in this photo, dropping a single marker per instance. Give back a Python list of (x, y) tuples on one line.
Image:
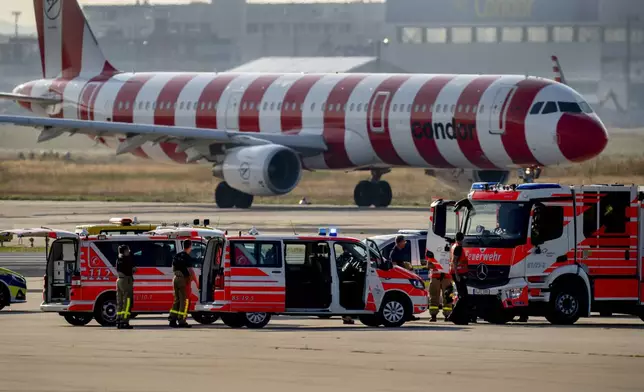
[(61, 250), (212, 267), (444, 222)]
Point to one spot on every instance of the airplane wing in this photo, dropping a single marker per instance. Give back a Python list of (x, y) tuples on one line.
[(136, 135), (27, 98)]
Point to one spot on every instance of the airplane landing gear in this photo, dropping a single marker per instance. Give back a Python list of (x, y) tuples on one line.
[(529, 174), (373, 192), (228, 197)]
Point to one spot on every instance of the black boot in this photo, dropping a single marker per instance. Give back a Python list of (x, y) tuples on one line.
[(173, 323)]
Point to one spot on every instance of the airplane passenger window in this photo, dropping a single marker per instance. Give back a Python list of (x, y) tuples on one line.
[(460, 108), (120, 105), (323, 107), (536, 108), (550, 107), (423, 108), (251, 105), (127, 105), (214, 106), (452, 108), (265, 106), (189, 105), (416, 108), (569, 107), (351, 107), (408, 108), (313, 106), (438, 108), (482, 109), (154, 105), (395, 107), (301, 107), (344, 107), (337, 107), (467, 108), (431, 108), (161, 105), (272, 105), (140, 105), (244, 106), (203, 105), (475, 108), (147, 105), (445, 108), (279, 106), (585, 107), (181, 105), (359, 107)]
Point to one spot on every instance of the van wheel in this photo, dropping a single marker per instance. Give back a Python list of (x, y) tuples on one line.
[(205, 317), (78, 319), (234, 320), (370, 320), (256, 320), (394, 312), (565, 305), (105, 311)]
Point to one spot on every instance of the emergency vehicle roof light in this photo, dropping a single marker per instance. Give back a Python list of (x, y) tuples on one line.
[(333, 232), (480, 186), (195, 222), (533, 186), (121, 221), (206, 222), (322, 231), (253, 231)]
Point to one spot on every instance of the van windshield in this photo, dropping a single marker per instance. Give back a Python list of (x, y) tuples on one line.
[(497, 224)]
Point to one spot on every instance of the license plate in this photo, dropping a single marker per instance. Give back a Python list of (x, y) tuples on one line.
[(481, 291)]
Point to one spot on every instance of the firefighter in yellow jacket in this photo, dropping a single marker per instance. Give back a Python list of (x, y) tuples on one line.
[(439, 286)]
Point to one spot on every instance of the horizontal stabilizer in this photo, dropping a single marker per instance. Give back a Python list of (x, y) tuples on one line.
[(27, 98)]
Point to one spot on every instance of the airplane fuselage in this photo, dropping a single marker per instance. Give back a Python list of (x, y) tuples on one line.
[(484, 122)]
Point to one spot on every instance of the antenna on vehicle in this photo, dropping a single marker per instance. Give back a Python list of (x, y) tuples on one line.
[(293, 226)]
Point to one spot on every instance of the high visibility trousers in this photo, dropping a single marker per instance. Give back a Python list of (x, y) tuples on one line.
[(124, 298), (179, 309), (437, 289)]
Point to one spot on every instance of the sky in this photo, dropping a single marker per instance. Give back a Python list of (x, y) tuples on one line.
[(27, 18)]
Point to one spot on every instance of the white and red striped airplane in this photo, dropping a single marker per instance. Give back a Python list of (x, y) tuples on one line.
[(261, 130)]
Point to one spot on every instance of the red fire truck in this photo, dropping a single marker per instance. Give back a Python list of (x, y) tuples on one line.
[(250, 278), (547, 249)]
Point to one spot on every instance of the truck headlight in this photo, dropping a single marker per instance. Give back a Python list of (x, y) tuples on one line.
[(419, 284), (513, 293)]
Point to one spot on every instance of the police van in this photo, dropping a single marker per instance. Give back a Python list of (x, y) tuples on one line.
[(249, 278), (80, 278)]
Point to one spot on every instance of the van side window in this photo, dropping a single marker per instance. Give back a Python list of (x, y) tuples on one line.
[(144, 253), (262, 254), (590, 220), (198, 252), (295, 254)]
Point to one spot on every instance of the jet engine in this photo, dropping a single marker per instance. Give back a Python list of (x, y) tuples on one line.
[(266, 170), (462, 179)]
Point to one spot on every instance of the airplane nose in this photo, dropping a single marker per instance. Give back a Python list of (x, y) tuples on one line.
[(581, 137)]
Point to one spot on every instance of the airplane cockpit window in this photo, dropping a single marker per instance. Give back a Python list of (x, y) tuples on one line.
[(569, 107), (585, 107), (550, 107), (536, 108)]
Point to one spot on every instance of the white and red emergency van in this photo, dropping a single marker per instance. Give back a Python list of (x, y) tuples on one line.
[(80, 278), (249, 278), (547, 249)]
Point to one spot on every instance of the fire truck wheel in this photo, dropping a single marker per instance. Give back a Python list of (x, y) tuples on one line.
[(78, 319), (566, 305), (256, 320), (370, 320), (105, 310), (233, 320), (394, 311), (205, 317)]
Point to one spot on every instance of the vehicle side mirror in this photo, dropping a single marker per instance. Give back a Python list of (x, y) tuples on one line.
[(386, 265), (429, 254)]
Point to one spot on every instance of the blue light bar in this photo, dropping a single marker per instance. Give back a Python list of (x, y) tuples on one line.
[(322, 231), (533, 186), (333, 232), (479, 186)]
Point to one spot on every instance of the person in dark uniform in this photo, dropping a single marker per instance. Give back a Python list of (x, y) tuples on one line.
[(398, 256), (181, 284), (124, 287)]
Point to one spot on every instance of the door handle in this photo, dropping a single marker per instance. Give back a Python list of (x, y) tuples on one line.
[(276, 272)]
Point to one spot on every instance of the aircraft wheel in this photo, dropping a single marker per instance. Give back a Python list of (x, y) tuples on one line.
[(383, 194), (225, 195), (363, 193), (243, 200)]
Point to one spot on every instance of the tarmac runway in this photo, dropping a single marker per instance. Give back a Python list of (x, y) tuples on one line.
[(41, 352)]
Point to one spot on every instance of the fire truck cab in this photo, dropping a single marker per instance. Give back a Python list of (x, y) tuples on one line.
[(80, 278), (548, 249), (250, 278)]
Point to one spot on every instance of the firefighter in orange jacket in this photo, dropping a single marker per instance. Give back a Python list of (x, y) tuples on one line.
[(458, 268), (440, 285)]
